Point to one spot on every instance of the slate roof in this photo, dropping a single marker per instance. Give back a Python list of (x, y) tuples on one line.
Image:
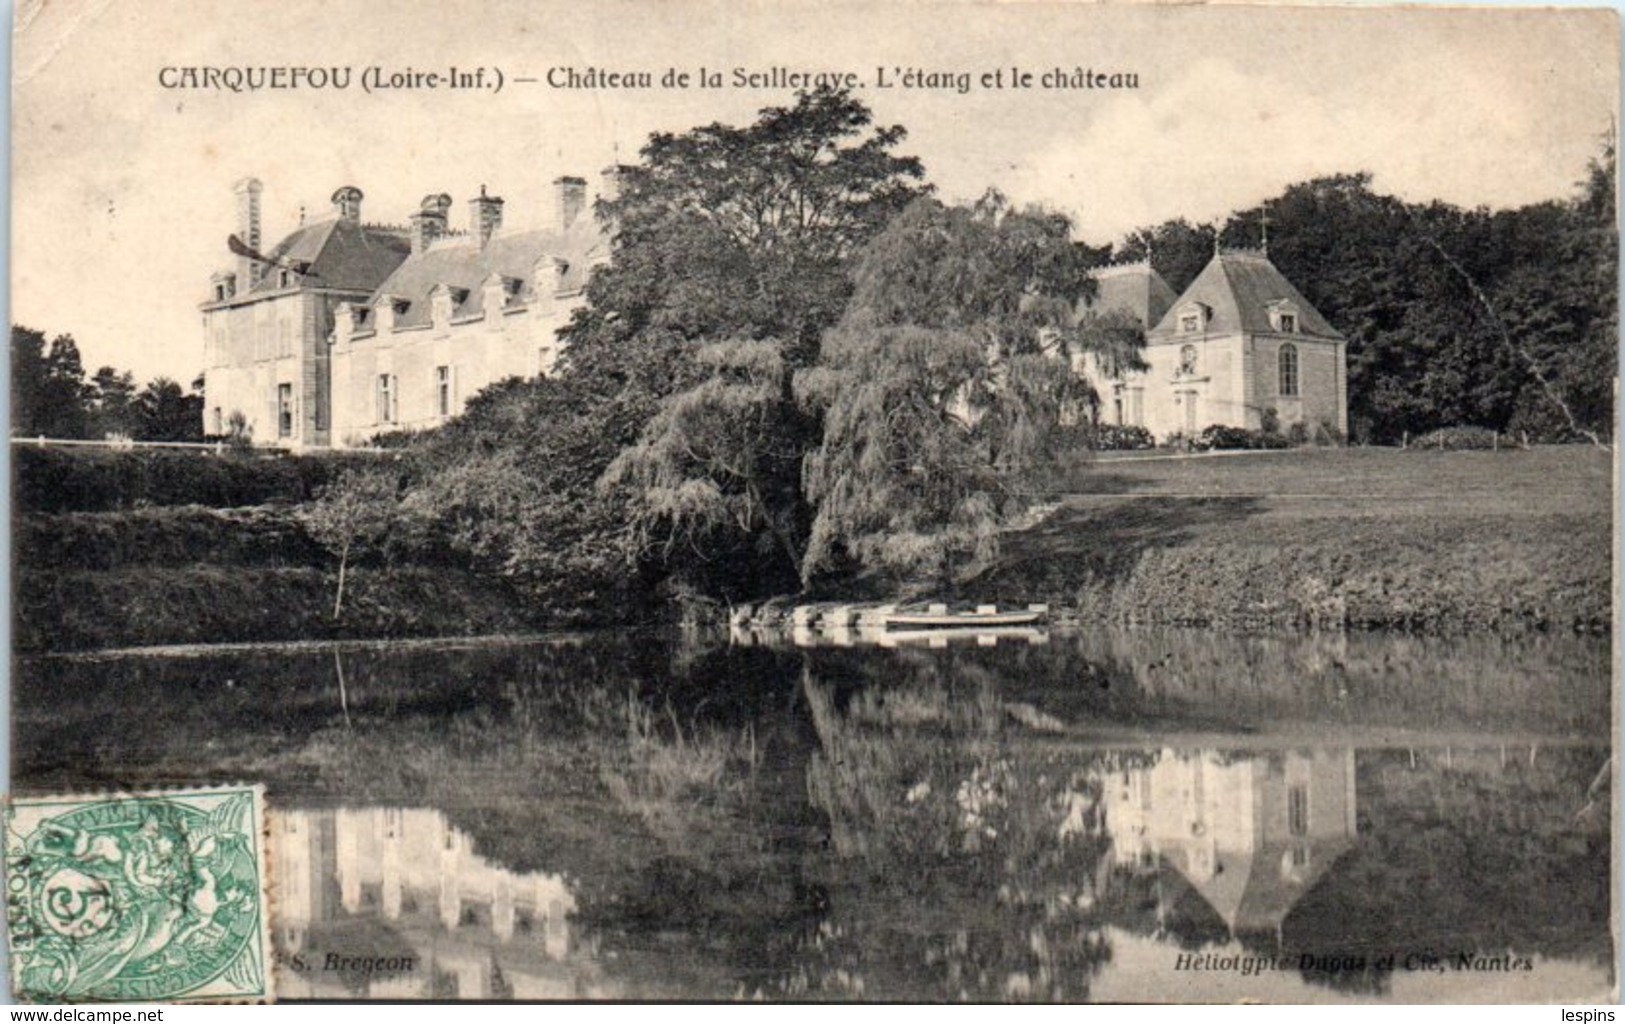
[(1238, 288), (341, 254), (462, 265), (1133, 288)]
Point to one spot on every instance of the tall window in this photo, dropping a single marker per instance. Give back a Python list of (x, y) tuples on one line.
[(1187, 360), (284, 410), (1289, 369), (387, 407), (1297, 810), (442, 390)]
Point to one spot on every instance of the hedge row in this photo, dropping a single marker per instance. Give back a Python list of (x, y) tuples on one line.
[(165, 536), (89, 610), (100, 480)]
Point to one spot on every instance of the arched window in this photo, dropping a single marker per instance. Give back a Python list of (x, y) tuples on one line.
[(1187, 360), (1289, 369)]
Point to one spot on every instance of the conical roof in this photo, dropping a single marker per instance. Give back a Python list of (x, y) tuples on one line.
[(1238, 289)]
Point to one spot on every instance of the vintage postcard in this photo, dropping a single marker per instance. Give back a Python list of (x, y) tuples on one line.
[(803, 501)]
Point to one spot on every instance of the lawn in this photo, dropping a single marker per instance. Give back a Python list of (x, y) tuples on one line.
[(1385, 481), (1359, 537)]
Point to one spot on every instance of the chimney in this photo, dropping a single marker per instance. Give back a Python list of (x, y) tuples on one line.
[(429, 223), (347, 202), (609, 188), (484, 216), (569, 198), (248, 229)]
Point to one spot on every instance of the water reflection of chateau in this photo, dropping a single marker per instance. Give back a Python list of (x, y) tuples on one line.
[(1250, 833), (400, 885)]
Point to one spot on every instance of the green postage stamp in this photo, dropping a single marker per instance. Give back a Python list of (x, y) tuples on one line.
[(139, 897)]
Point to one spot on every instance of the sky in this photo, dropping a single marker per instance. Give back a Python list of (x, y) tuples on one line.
[(122, 188)]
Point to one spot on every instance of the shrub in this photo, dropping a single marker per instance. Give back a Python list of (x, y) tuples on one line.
[(1111, 437), (1459, 439), (100, 480), (1221, 437), (164, 536)]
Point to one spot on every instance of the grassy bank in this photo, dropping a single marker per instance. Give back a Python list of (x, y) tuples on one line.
[(1334, 538), (1507, 541), (191, 574), (74, 610)]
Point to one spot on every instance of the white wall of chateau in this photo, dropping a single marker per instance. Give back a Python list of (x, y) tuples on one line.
[(253, 350), (474, 353), (1235, 378)]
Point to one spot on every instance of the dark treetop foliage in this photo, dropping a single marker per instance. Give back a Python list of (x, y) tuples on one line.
[(725, 232), (50, 397), (941, 385), (731, 252), (1502, 319)]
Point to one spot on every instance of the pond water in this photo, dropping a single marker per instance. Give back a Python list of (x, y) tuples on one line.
[(1148, 815)]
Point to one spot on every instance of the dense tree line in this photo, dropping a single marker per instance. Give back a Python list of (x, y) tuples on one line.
[(52, 397), (801, 366), (1503, 319)]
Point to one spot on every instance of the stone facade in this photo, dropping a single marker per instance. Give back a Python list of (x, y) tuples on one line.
[(1239, 348), (346, 330)]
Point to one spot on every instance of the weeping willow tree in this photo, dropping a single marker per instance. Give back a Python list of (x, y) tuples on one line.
[(941, 387), (717, 460)]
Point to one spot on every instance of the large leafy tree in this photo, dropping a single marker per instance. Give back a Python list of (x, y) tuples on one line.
[(732, 255), (719, 460), (163, 412), (940, 387), (1177, 249), (509, 487), (741, 232), (49, 394), (112, 402)]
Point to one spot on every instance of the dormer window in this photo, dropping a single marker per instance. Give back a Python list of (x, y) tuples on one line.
[(1284, 316), (284, 278), (1193, 318)]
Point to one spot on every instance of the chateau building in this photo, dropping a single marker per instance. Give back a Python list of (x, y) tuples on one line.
[(1240, 347), (398, 903), (345, 330), (1251, 834)]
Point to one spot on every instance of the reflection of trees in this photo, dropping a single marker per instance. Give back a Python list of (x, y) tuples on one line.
[(1480, 851), (1548, 682), (911, 824), (969, 855), (1473, 851)]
